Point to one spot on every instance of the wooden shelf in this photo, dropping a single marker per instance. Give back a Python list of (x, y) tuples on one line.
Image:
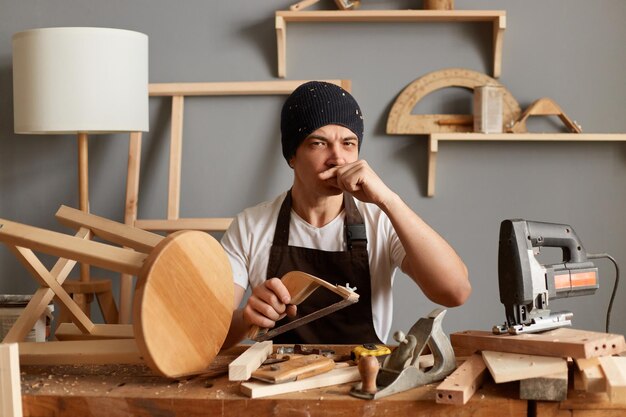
[(435, 138), (496, 17)]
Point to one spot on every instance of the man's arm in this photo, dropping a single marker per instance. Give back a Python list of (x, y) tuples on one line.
[(430, 261)]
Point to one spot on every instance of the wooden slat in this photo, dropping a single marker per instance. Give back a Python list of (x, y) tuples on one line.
[(71, 247), (392, 15), (130, 215), (45, 279), (203, 224), (176, 148), (506, 367), (41, 298), (334, 377), (114, 232), (119, 351), (562, 342), (10, 389), (241, 368), (614, 369), (237, 88), (459, 386), (69, 331)]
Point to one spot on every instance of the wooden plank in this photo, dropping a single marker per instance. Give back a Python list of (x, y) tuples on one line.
[(614, 369), (214, 224), (10, 389), (69, 331), (237, 88), (334, 377), (564, 342), (531, 137), (241, 368), (506, 367), (459, 386), (71, 247), (113, 351), (545, 388), (114, 232)]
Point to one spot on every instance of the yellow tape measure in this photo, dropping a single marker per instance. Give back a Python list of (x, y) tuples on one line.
[(369, 349)]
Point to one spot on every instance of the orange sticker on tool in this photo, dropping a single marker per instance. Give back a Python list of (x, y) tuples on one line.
[(562, 281), (584, 279)]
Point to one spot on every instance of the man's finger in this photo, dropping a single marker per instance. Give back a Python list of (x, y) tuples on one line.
[(278, 288)]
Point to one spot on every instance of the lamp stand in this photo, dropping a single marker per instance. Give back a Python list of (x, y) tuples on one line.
[(84, 289)]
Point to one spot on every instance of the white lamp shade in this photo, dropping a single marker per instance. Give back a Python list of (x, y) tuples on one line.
[(80, 80)]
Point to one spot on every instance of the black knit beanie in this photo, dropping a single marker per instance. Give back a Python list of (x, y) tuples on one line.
[(313, 105)]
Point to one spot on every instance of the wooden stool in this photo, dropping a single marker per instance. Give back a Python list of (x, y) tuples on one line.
[(182, 306)]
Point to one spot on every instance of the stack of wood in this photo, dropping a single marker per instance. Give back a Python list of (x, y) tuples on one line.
[(541, 362)]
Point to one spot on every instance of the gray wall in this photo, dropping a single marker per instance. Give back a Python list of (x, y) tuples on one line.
[(570, 50)]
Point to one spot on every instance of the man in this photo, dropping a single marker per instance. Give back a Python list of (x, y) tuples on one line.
[(317, 227)]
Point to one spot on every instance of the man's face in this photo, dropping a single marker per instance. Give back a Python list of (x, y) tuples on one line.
[(328, 146)]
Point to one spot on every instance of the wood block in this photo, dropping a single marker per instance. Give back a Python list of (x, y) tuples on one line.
[(294, 369), (334, 377), (10, 389), (560, 343), (614, 369), (593, 379), (505, 367), (241, 368), (459, 386), (69, 331), (545, 388)]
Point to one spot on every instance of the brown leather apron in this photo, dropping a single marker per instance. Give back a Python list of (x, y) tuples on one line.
[(350, 325)]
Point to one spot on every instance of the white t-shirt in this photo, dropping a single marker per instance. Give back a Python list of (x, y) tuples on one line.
[(249, 238)]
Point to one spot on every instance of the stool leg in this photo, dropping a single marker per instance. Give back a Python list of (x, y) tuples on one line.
[(108, 307)]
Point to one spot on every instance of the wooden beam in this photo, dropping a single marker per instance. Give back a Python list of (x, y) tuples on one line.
[(241, 368), (10, 389), (506, 367), (564, 342), (334, 377), (591, 375), (69, 331), (87, 352), (459, 386), (109, 230)]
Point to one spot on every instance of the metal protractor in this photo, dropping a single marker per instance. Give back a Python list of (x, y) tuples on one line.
[(401, 121)]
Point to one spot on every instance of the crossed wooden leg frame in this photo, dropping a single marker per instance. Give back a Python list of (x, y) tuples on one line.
[(169, 269)]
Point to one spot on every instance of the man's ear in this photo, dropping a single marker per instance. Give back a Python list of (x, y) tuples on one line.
[(291, 162)]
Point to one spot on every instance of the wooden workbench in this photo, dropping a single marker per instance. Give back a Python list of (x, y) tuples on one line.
[(124, 390)]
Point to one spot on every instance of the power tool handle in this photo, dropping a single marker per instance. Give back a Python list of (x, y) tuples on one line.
[(555, 235)]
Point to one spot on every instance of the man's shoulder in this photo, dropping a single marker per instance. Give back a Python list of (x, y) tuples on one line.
[(262, 211)]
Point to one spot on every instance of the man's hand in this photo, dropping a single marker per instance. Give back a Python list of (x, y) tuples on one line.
[(358, 179), (268, 303)]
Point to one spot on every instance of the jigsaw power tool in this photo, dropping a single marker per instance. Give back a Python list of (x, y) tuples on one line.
[(526, 286)]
